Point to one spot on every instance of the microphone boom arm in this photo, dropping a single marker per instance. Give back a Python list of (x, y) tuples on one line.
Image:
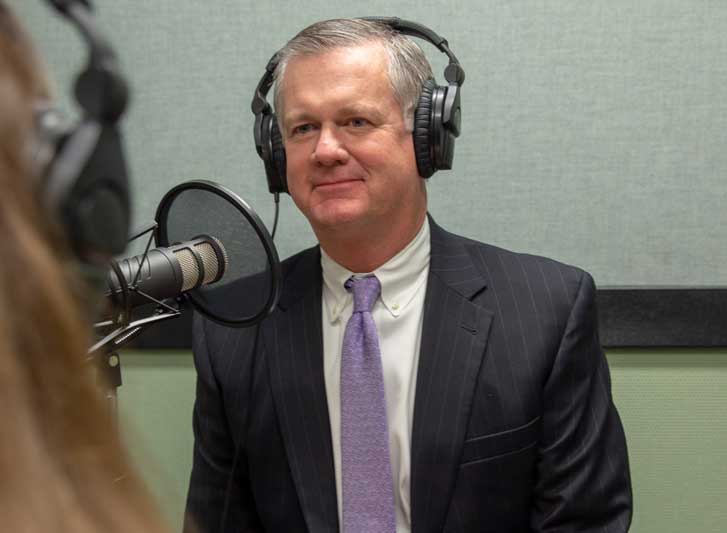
[(121, 335)]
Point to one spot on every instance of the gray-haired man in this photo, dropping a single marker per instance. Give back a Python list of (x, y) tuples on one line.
[(476, 392)]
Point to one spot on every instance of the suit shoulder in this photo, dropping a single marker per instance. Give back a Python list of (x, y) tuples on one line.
[(291, 264), (539, 275)]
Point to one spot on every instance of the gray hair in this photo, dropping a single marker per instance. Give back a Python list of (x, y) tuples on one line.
[(408, 66)]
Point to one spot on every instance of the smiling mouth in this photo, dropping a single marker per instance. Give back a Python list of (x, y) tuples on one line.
[(331, 184)]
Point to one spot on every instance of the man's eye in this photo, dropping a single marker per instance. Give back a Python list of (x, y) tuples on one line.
[(302, 129), (359, 122)]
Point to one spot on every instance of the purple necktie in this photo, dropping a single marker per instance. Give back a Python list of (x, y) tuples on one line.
[(368, 489)]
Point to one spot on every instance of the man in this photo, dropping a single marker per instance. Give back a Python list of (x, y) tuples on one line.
[(492, 410)]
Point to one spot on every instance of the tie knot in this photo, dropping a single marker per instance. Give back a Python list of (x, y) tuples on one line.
[(365, 291)]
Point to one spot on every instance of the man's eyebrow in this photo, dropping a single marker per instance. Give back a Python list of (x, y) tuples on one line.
[(357, 109), (346, 111), (296, 116)]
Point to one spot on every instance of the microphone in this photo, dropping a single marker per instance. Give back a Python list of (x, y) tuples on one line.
[(236, 284), (166, 272)]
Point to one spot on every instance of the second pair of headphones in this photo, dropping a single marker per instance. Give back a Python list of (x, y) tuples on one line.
[(83, 168), (436, 119)]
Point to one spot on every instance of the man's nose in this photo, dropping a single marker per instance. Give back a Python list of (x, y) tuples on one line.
[(329, 150)]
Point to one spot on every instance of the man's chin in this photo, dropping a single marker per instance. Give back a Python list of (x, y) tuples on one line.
[(334, 220)]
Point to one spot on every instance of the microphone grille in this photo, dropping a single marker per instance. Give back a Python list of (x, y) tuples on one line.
[(201, 250), (190, 269), (209, 259)]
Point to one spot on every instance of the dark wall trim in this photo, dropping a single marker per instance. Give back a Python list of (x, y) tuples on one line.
[(628, 317), (663, 317)]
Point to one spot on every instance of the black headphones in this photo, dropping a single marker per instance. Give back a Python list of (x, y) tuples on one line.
[(85, 180), (436, 118)]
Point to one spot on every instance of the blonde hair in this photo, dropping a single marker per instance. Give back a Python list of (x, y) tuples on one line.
[(61, 465)]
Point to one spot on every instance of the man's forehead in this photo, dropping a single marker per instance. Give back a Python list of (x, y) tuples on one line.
[(343, 72)]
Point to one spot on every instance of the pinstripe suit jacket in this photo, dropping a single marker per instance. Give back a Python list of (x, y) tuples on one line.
[(514, 427)]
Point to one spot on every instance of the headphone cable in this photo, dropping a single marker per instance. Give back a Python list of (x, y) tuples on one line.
[(276, 199)]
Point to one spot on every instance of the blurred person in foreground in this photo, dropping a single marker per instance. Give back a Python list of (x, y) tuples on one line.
[(61, 466)]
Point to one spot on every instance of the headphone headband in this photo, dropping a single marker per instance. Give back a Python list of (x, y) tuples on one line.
[(101, 89), (414, 29)]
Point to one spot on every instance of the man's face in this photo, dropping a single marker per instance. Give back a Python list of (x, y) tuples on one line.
[(350, 157)]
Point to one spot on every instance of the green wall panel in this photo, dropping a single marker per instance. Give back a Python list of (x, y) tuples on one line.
[(674, 408), (155, 410), (673, 405)]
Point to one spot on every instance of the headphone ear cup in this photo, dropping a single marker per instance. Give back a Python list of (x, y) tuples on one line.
[(278, 155), (422, 131), (87, 187)]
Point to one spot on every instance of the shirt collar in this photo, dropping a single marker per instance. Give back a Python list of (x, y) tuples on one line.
[(400, 277)]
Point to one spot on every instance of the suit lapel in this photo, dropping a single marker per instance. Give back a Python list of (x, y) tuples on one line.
[(454, 337), (294, 350)]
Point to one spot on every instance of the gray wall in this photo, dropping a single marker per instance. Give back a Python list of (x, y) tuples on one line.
[(594, 132)]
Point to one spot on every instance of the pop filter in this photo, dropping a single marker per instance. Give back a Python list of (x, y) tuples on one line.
[(250, 285)]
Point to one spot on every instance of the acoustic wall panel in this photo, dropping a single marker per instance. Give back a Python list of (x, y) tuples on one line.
[(593, 132)]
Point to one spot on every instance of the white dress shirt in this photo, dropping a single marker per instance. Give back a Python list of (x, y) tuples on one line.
[(398, 315)]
